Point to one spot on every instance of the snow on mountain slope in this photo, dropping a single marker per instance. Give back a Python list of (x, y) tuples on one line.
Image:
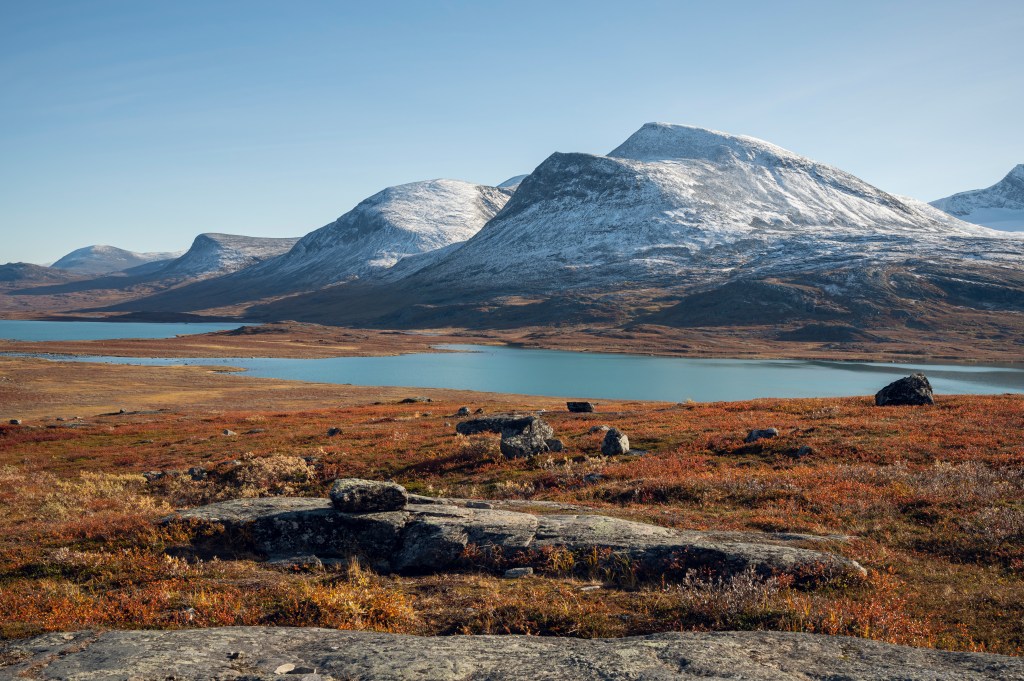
[(398, 222), (216, 254), (101, 259), (678, 204), (512, 182), (1000, 206)]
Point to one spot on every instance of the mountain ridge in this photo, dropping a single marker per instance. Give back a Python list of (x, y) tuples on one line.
[(1000, 206)]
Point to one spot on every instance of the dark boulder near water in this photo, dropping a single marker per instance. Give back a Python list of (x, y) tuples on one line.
[(914, 390)]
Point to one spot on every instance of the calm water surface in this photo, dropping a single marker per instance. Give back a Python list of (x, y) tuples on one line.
[(609, 376), (23, 330)]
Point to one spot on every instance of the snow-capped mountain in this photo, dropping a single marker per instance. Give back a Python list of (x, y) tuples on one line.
[(216, 254), (676, 204), (395, 223), (682, 225), (101, 259), (404, 227), (1001, 206)]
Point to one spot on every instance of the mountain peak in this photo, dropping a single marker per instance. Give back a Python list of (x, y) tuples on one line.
[(1017, 173), (666, 141)]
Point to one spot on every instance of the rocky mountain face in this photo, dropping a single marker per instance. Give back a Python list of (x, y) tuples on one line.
[(216, 254), (686, 226), (100, 259), (1001, 206)]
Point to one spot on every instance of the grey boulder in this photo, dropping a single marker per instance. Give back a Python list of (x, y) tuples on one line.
[(761, 434), (425, 538), (353, 495), (580, 407), (615, 443), (521, 435)]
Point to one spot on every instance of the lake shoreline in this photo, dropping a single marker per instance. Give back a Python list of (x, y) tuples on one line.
[(300, 340)]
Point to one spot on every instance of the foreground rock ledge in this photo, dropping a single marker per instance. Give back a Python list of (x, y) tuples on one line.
[(424, 538), (254, 653)]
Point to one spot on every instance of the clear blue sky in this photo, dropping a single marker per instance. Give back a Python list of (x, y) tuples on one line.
[(143, 123)]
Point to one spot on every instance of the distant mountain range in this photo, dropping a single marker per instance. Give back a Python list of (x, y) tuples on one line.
[(1001, 206), (102, 259), (678, 226)]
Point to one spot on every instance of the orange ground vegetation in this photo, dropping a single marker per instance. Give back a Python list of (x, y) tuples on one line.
[(930, 499)]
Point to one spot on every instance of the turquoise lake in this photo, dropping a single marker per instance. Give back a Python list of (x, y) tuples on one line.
[(610, 376)]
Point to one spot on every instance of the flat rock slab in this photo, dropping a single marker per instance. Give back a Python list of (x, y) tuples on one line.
[(434, 537), (255, 653)]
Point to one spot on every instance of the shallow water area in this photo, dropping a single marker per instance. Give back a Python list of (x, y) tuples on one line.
[(31, 330)]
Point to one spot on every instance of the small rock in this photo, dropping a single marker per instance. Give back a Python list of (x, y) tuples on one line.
[(253, 431), (590, 588), (331, 432), (804, 451), (555, 445), (228, 432), (414, 400), (197, 473), (144, 442), (479, 410), (598, 429), (352, 495), (580, 407), (615, 442), (122, 410), (463, 411), (303, 670), (15, 422), (592, 478), (914, 390), (285, 668), (763, 434), (60, 418), (479, 504), (518, 573), (150, 476), (237, 655)]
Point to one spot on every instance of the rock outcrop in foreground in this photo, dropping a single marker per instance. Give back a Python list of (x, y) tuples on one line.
[(258, 654), (433, 537)]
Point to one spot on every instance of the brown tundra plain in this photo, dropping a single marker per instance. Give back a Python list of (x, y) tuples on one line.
[(929, 499)]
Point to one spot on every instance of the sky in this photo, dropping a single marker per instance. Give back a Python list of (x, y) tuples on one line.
[(143, 124)]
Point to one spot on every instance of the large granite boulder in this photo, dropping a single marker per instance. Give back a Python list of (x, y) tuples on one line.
[(615, 442), (521, 435), (580, 407), (352, 495), (913, 390), (260, 653), (424, 538)]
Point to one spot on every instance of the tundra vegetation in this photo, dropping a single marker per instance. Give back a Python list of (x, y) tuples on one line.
[(929, 499)]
